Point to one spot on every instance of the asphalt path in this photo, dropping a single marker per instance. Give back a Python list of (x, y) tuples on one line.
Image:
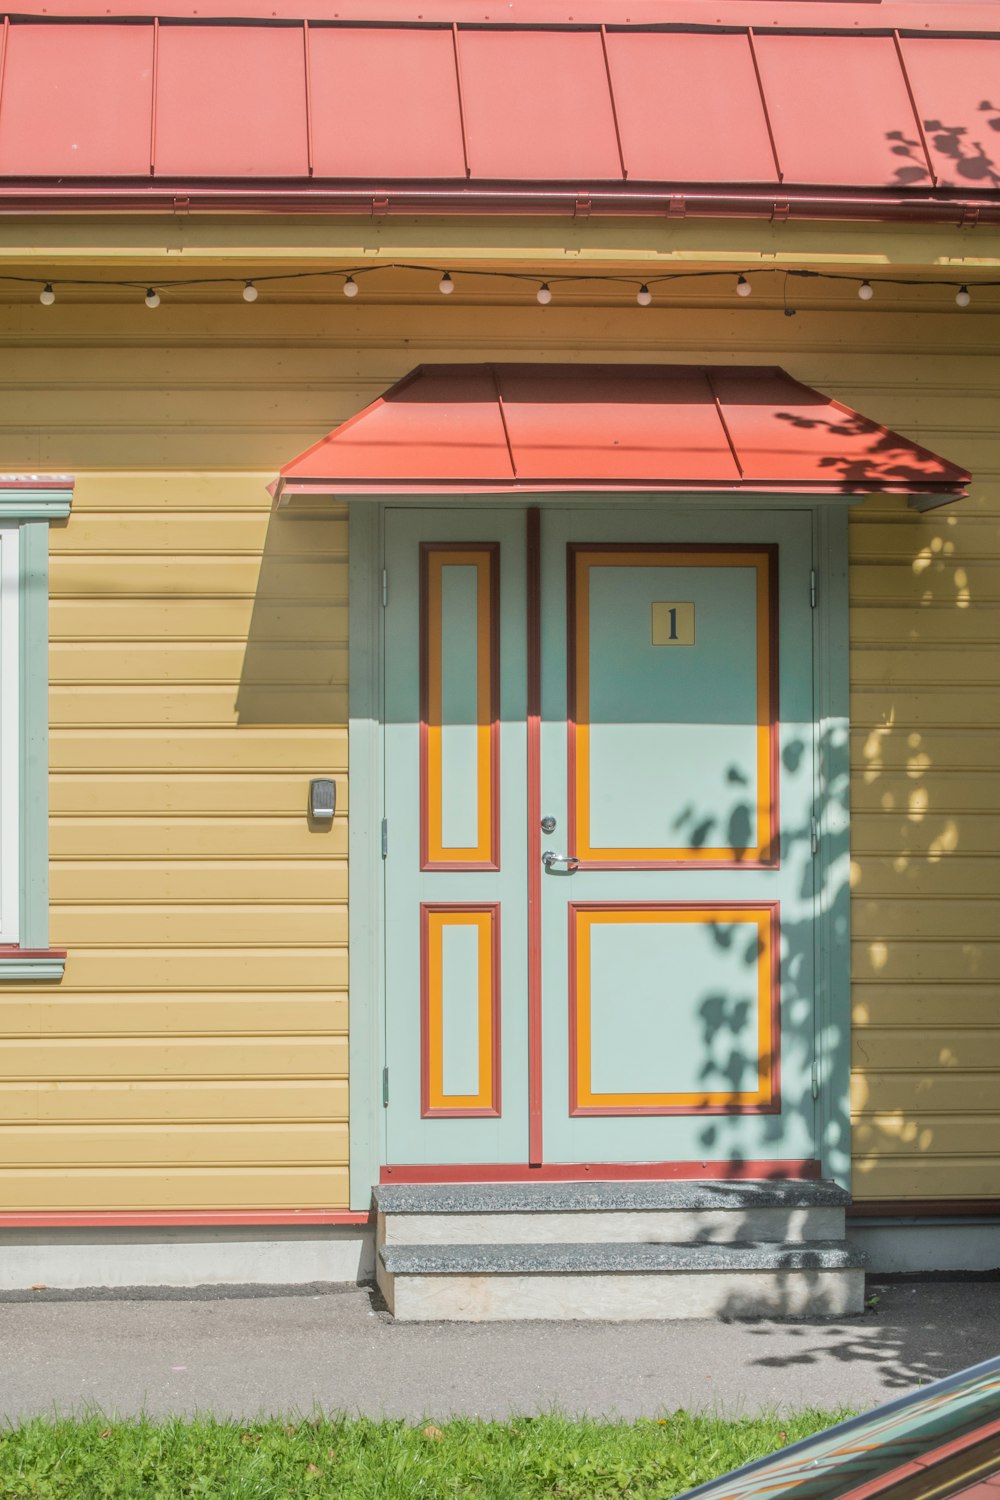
[(244, 1352)]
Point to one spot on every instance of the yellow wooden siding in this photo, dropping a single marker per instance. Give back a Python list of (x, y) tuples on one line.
[(202, 1018), (195, 1054)]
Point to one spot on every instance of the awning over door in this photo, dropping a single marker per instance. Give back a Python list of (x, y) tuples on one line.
[(520, 428)]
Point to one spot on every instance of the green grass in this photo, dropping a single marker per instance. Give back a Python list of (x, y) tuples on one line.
[(98, 1458)]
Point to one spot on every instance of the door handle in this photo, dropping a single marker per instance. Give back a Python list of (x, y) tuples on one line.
[(550, 859)]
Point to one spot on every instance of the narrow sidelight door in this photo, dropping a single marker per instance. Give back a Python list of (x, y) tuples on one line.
[(455, 798)]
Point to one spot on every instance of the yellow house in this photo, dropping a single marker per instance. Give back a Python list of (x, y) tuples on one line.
[(517, 504)]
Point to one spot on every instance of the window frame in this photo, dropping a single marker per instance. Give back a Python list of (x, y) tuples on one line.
[(28, 506)]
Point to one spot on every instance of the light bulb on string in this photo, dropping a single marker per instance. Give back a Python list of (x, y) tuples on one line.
[(866, 291), (644, 296), (543, 294), (962, 296), (351, 287), (47, 296), (743, 287), (152, 298), (250, 292), (446, 286)]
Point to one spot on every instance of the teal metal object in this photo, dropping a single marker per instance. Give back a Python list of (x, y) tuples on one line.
[(935, 1442)]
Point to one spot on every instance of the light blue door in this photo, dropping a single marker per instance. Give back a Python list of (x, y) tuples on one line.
[(599, 940), (456, 837), (677, 763)]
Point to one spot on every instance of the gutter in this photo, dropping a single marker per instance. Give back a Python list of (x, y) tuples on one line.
[(26, 197)]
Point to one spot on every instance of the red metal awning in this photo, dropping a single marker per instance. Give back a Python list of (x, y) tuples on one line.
[(519, 428)]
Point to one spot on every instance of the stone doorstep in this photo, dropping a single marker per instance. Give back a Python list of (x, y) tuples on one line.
[(481, 1283), (610, 1298), (570, 1197), (786, 1226), (617, 1259)]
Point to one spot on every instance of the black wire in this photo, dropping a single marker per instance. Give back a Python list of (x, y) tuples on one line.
[(556, 278)]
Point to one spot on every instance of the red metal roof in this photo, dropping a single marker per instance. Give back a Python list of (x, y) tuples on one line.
[(489, 429), (809, 104)]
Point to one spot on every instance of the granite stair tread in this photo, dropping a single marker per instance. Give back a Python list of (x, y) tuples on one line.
[(567, 1197), (619, 1258)]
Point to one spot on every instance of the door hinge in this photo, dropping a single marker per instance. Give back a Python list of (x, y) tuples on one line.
[(813, 836), (815, 1081), (812, 588), (385, 587), (385, 1087), (385, 837)]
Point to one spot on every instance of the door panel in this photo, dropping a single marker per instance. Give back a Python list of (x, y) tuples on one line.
[(690, 781), (455, 797), (677, 943)]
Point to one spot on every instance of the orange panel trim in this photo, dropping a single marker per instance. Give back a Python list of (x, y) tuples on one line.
[(764, 562), (434, 853), (433, 1098), (762, 1100)]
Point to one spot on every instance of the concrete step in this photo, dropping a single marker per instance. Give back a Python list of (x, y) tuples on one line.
[(610, 1212), (489, 1282)]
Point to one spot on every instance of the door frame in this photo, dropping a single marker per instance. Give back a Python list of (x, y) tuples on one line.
[(366, 909)]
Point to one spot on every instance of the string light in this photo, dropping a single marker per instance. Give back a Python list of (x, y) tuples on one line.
[(249, 288)]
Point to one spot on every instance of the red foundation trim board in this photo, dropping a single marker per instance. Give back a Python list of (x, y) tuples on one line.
[(925, 1208), (179, 1218), (634, 1171)]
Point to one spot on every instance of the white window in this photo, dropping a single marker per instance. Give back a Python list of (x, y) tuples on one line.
[(28, 504), (10, 737)]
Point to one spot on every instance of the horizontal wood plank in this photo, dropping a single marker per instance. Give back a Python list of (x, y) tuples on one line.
[(174, 1101), (100, 1187)]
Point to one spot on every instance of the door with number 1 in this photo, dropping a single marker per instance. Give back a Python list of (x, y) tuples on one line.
[(599, 790)]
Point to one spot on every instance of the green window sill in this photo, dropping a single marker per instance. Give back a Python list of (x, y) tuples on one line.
[(16, 967)]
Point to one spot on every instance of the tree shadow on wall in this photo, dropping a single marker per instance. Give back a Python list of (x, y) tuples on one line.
[(295, 663), (728, 1017)]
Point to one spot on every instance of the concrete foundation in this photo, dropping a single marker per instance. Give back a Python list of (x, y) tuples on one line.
[(71, 1258)]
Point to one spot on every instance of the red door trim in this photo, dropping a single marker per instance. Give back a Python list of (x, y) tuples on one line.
[(534, 743), (806, 1169)]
